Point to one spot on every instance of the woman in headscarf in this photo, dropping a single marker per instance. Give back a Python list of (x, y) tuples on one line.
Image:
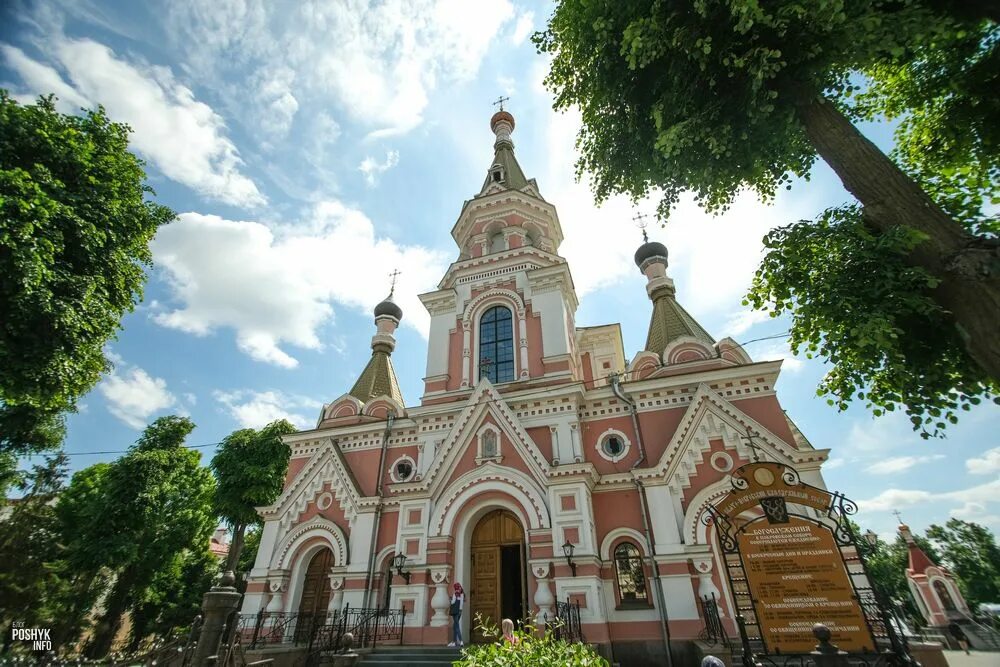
[(457, 602)]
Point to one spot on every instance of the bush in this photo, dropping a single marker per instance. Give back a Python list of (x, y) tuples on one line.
[(530, 649)]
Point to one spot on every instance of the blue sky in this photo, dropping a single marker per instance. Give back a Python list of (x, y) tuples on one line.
[(312, 147)]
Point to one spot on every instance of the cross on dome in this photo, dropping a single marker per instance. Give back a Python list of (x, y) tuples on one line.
[(500, 100), (392, 276)]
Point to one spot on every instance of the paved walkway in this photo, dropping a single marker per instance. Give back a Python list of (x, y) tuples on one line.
[(974, 659)]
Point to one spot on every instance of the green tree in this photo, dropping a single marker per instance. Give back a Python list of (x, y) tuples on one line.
[(886, 563), (717, 97), (174, 596), (75, 227), (970, 551), (248, 556), (250, 469), (137, 514)]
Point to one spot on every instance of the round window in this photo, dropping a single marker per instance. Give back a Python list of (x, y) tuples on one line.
[(613, 446), (403, 470)]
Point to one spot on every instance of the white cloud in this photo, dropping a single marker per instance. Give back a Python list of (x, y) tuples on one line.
[(743, 319), (982, 494), (42, 79), (279, 287), (255, 409), (986, 464), (834, 463), (778, 351), (133, 396), (182, 137), (276, 105), (900, 463), (379, 61), (372, 168), (524, 27)]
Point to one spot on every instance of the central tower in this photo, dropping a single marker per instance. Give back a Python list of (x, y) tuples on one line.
[(504, 310)]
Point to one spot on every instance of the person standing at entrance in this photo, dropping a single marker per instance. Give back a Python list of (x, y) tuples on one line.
[(457, 602)]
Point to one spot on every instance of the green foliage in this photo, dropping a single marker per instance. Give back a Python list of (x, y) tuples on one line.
[(970, 551), (705, 96), (75, 226), (887, 563), (250, 469), (175, 594), (136, 517), (37, 583), (855, 302), (530, 649), (948, 137)]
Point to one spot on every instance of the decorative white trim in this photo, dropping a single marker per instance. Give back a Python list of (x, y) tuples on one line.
[(318, 526), (490, 477), (413, 469), (626, 445), (618, 533), (482, 456), (721, 461)]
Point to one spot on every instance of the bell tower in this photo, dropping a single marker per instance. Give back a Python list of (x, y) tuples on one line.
[(504, 311)]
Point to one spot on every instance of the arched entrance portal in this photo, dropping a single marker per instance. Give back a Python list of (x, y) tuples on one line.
[(499, 582)]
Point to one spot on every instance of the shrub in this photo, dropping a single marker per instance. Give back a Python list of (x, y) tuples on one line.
[(530, 649)]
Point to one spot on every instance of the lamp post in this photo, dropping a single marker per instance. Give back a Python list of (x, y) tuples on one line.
[(568, 549), (398, 561)]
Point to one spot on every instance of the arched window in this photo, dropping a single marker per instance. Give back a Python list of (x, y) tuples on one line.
[(496, 345), (944, 595), (497, 243), (630, 574)]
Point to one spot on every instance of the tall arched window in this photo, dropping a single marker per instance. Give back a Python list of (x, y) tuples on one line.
[(497, 243), (496, 345), (944, 595), (631, 577)]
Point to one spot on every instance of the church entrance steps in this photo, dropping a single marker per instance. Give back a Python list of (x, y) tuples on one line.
[(412, 656)]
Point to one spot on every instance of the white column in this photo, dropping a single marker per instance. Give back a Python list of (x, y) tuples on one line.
[(440, 601), (543, 595), (466, 353), (337, 597), (661, 516), (574, 436), (707, 587), (522, 328), (277, 584), (554, 434)]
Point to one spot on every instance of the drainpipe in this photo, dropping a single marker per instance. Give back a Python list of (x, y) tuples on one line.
[(644, 510), (378, 508)]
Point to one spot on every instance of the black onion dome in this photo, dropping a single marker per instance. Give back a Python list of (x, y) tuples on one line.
[(648, 250), (389, 307)]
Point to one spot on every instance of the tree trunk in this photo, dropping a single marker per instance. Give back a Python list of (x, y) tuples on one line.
[(236, 546), (968, 266), (115, 606)]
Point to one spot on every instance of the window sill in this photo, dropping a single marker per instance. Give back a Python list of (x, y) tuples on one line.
[(480, 460), (633, 606)]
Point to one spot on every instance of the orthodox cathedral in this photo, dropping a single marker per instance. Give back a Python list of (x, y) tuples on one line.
[(543, 463)]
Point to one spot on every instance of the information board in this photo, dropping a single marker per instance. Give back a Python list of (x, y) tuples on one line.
[(797, 577)]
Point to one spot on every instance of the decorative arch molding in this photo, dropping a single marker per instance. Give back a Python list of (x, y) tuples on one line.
[(499, 296), (934, 575), (619, 533), (693, 530), (730, 350), (643, 364), (381, 405), (318, 526), (490, 477), (686, 349), (345, 406)]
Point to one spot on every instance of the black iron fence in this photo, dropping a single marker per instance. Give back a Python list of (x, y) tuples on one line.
[(267, 628), (368, 628), (566, 625), (714, 631)]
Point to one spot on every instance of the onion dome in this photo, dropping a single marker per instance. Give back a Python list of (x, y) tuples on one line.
[(499, 116), (388, 308), (648, 250)]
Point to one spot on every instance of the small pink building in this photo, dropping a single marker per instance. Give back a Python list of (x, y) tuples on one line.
[(533, 434)]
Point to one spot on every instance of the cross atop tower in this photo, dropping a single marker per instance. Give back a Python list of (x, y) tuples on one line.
[(500, 100), (395, 274), (640, 222), (898, 516)]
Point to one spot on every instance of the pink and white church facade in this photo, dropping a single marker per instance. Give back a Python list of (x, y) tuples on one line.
[(532, 433)]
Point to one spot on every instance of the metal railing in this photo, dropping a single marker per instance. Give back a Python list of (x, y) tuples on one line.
[(566, 625), (714, 631), (368, 627), (267, 628)]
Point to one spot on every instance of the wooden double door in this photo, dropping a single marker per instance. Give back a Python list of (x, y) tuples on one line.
[(499, 581)]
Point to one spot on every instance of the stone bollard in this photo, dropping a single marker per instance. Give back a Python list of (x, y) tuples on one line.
[(216, 607), (347, 656), (826, 654)]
